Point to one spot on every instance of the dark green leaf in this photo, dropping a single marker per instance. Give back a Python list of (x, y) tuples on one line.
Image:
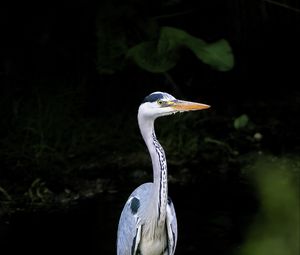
[(241, 122), (161, 56), (146, 56), (218, 54)]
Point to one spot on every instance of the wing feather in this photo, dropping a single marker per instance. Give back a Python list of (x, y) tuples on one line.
[(129, 229), (171, 227)]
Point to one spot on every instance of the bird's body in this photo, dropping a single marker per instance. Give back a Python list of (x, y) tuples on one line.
[(148, 224), (145, 235)]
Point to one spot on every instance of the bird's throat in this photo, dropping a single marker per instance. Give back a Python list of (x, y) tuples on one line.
[(159, 196)]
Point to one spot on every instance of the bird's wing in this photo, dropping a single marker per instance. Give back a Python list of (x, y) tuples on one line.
[(171, 227), (129, 229)]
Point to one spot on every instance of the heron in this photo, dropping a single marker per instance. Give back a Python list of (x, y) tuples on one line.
[(148, 224)]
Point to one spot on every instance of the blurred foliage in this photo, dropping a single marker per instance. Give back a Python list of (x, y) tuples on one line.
[(123, 33), (241, 121), (50, 146), (276, 229), (161, 56), (38, 132), (38, 192), (180, 141), (4, 194), (119, 26)]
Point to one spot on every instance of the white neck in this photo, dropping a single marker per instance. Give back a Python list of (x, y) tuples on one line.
[(159, 196)]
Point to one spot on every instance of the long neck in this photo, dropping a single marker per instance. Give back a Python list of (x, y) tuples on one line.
[(159, 197)]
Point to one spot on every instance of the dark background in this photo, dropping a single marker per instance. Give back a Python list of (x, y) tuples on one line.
[(70, 149)]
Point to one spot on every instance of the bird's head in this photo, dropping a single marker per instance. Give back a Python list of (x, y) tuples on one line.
[(159, 104)]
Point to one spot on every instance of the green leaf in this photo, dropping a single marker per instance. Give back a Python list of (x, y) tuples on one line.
[(147, 57), (218, 54), (163, 55), (241, 122), (171, 39)]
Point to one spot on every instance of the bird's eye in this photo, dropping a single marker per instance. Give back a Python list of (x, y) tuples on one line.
[(160, 102)]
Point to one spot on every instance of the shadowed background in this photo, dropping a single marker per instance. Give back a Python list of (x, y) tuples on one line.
[(70, 148)]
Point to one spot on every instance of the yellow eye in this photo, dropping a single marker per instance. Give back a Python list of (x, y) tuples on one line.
[(160, 102)]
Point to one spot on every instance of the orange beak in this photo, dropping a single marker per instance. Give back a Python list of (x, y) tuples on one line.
[(183, 106)]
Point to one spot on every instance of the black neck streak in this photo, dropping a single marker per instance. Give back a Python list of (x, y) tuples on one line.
[(163, 185)]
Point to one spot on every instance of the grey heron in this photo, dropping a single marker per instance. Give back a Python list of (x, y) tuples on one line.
[(148, 224)]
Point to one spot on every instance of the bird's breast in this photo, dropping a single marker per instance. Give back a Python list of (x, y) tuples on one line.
[(156, 245)]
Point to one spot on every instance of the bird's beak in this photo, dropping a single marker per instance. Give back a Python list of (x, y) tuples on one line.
[(183, 106)]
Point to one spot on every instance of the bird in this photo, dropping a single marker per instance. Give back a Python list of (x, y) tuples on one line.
[(148, 224)]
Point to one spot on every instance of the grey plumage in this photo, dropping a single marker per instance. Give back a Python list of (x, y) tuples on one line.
[(148, 224)]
